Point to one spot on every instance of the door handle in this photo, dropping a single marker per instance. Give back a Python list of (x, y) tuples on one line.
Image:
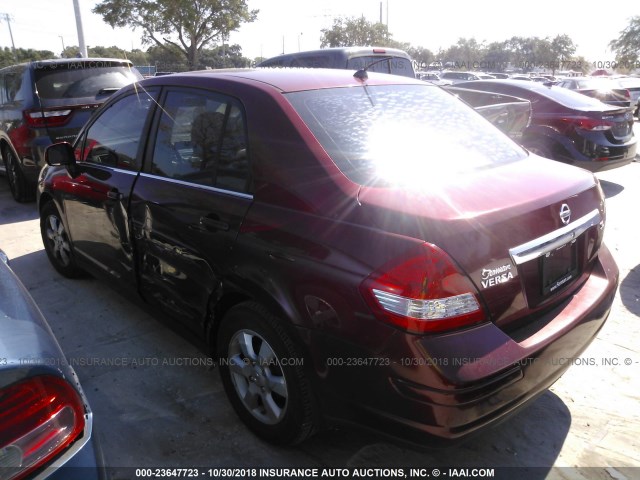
[(214, 224), (114, 194)]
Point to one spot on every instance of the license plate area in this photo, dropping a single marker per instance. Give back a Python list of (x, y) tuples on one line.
[(559, 268)]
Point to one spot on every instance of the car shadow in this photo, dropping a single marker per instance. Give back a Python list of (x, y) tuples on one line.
[(630, 291), (12, 211), (532, 439), (611, 189), (170, 414)]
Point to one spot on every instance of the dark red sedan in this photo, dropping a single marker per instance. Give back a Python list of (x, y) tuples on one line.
[(354, 248)]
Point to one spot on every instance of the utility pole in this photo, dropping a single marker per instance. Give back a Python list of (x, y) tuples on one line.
[(62, 40), (8, 19), (83, 46)]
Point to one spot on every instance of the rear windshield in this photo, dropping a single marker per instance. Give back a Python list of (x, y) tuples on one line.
[(81, 79), (399, 134), (572, 99), (393, 65)]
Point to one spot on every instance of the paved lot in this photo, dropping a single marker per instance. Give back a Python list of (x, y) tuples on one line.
[(158, 403)]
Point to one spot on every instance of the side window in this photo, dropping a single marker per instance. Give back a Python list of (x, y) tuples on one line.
[(114, 138), (11, 86), (3, 94), (202, 139)]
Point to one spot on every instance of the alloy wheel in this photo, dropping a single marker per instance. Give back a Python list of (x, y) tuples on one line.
[(258, 377), (58, 239)]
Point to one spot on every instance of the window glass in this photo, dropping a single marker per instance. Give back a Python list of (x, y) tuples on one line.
[(114, 138), (81, 79), (402, 134), (11, 87), (381, 64), (316, 61), (201, 139)]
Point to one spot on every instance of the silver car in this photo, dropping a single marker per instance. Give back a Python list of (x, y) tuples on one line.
[(45, 420)]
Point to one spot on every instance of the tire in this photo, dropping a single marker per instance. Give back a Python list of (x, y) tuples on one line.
[(273, 398), (21, 190), (540, 148), (56, 242)]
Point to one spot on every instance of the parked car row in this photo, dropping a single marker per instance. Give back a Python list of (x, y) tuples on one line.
[(620, 91), (570, 127)]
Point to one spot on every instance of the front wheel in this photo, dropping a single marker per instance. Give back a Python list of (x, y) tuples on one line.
[(263, 375), (56, 242), (20, 188)]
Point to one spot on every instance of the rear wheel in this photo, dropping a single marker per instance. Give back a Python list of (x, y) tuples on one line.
[(263, 375), (540, 148), (17, 182), (56, 242)]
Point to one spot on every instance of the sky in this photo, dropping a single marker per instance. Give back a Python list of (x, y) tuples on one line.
[(297, 25)]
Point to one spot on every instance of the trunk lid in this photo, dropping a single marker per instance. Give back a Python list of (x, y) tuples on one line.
[(504, 228)]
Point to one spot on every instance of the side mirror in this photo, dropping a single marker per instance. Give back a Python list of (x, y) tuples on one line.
[(60, 154)]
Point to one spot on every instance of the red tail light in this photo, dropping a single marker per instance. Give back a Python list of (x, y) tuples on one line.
[(47, 117), (588, 123), (423, 292), (39, 418)]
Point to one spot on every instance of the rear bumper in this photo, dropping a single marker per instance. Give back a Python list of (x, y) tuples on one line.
[(450, 386), (596, 153)]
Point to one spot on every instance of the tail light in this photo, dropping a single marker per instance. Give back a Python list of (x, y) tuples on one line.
[(39, 418), (47, 117), (423, 292), (588, 123)]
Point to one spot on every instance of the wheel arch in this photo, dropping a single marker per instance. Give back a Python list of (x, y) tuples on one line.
[(224, 299)]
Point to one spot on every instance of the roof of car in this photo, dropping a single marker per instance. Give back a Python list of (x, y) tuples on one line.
[(70, 61), (288, 79)]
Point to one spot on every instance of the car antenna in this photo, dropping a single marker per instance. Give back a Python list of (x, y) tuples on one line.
[(362, 73)]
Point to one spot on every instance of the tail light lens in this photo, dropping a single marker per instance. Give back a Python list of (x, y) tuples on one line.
[(588, 123), (39, 418), (47, 118), (423, 292)]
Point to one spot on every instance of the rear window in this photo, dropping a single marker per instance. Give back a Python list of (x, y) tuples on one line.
[(380, 64), (81, 79), (392, 135), (571, 99)]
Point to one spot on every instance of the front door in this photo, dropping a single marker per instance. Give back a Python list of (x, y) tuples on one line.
[(97, 200)]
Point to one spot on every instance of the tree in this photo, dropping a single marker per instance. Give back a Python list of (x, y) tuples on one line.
[(465, 55), (10, 57), (353, 31), (562, 48), (185, 25), (422, 56), (224, 56), (496, 57), (627, 45)]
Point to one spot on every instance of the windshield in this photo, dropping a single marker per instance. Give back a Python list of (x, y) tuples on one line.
[(74, 80), (401, 134)]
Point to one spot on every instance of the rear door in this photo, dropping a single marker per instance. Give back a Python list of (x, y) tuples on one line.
[(96, 201), (189, 202)]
